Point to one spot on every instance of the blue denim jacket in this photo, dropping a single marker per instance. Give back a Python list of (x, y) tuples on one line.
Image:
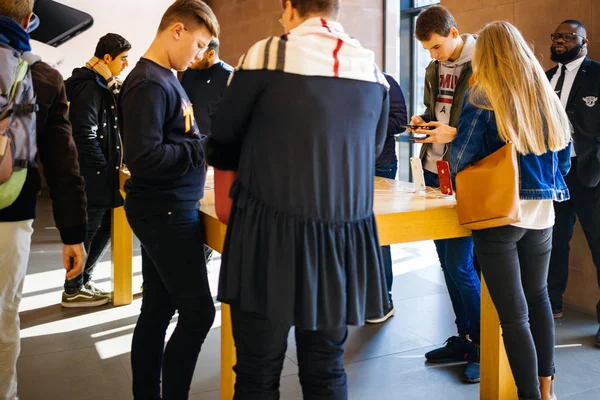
[(541, 177)]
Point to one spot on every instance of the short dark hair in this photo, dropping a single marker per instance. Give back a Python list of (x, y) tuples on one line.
[(16, 9), (214, 45), (193, 12), (111, 44), (578, 24), (435, 19), (306, 7)]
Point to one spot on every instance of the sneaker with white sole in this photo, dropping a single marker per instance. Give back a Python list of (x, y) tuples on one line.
[(91, 285), (390, 314), (83, 298)]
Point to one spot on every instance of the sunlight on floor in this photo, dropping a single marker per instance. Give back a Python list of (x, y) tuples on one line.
[(44, 290)]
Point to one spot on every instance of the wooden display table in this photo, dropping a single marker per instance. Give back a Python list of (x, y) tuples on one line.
[(402, 216)]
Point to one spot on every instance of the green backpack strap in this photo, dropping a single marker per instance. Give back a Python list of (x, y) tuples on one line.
[(11, 189), (21, 74)]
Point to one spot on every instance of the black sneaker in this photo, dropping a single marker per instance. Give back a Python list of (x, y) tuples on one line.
[(471, 372), (456, 349), (388, 315), (598, 338), (83, 298)]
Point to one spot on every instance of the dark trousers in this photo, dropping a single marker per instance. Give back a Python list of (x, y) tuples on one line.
[(514, 263), (389, 172), (261, 345), (175, 278), (462, 280), (585, 205), (95, 243)]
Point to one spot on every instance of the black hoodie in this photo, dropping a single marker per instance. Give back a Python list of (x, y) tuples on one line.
[(93, 114)]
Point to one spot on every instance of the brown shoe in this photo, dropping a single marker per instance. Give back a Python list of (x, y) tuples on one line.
[(547, 387), (557, 314)]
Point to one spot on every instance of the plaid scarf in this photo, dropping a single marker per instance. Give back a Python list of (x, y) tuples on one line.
[(101, 68), (315, 48)]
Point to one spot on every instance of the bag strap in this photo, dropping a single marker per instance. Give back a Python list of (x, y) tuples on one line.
[(25, 63), (22, 70)]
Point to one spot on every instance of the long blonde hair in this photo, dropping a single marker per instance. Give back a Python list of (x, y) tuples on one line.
[(508, 79)]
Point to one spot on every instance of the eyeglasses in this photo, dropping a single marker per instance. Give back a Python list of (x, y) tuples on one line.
[(567, 37)]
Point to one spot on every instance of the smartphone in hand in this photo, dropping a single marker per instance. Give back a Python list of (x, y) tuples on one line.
[(426, 127), (443, 169)]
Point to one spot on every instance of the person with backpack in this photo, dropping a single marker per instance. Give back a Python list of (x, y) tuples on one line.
[(92, 91), (32, 121)]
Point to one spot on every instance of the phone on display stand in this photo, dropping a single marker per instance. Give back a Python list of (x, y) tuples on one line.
[(56, 23), (443, 169), (417, 172)]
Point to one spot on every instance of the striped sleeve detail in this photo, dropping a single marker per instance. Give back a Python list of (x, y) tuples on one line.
[(240, 65), (280, 66), (267, 54)]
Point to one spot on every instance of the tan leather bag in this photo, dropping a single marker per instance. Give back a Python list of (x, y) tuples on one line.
[(487, 192)]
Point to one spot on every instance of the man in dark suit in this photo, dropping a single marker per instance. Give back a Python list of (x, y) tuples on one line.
[(576, 80)]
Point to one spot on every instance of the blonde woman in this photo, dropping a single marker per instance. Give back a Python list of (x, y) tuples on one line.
[(511, 101)]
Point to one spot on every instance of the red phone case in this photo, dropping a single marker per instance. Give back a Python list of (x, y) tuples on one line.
[(223, 182), (444, 176)]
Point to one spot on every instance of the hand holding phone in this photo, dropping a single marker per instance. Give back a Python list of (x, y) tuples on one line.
[(443, 169), (415, 136)]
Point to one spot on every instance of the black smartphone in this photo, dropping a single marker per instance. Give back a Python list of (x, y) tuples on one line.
[(416, 127), (58, 23)]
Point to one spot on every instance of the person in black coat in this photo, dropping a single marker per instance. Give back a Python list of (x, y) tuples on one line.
[(92, 91), (205, 84), (576, 80), (386, 166), (303, 126), (57, 153)]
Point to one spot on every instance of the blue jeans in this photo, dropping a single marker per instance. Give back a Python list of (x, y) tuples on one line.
[(389, 172), (175, 278), (261, 344), (464, 285)]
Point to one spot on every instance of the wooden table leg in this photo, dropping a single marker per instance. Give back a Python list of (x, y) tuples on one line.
[(122, 256), (227, 354), (497, 382)]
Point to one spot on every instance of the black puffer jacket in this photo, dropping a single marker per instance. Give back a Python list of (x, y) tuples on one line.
[(93, 114)]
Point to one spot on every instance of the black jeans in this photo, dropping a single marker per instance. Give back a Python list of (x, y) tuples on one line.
[(260, 347), (585, 204), (95, 243), (174, 279), (389, 172), (514, 263)]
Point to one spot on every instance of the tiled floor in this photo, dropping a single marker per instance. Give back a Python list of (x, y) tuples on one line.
[(73, 354)]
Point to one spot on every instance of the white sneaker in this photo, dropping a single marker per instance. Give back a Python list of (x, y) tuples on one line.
[(90, 285), (387, 316)]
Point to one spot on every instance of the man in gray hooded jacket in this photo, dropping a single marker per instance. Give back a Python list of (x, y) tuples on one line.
[(446, 82)]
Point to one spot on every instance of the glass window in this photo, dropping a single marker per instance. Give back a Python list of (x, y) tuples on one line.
[(414, 59), (421, 3), (421, 61)]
